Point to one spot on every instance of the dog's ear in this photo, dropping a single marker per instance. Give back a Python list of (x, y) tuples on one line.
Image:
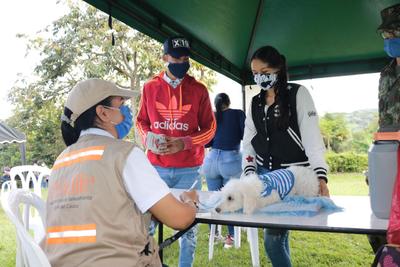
[(249, 204)]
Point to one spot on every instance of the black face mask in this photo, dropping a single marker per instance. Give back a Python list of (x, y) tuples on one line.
[(179, 69)]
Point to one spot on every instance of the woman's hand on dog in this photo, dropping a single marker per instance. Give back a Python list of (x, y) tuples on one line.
[(323, 188)]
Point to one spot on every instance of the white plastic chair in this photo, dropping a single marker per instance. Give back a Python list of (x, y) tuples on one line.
[(252, 237), (211, 240), (5, 190), (36, 174), (28, 173), (6, 187), (29, 254)]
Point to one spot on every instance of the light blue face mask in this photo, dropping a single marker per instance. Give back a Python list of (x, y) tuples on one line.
[(392, 47), (124, 126)]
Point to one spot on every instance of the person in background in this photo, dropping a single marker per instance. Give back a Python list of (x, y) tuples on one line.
[(103, 190), (175, 120), (224, 160), (281, 130), (389, 82), (6, 175), (389, 86)]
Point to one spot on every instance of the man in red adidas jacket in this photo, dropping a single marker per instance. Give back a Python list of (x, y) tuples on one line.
[(176, 121)]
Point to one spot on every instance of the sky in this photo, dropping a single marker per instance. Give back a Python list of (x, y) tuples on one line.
[(338, 94), (26, 17)]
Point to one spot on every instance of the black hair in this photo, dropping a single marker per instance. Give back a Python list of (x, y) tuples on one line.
[(274, 59), (221, 101), (85, 121)]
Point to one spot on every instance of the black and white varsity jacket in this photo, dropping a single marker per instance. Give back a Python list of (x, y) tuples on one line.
[(300, 144)]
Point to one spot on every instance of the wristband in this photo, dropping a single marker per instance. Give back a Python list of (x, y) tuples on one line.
[(187, 141)]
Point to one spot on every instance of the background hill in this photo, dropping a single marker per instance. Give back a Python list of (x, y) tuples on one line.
[(360, 119)]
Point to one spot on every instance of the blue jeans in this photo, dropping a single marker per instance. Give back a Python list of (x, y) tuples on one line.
[(219, 166), (276, 241), (183, 178)]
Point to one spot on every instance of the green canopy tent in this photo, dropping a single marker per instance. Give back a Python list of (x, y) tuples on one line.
[(319, 38), (10, 135)]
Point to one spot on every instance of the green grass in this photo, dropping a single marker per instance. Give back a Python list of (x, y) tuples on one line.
[(346, 184), (7, 241), (307, 248)]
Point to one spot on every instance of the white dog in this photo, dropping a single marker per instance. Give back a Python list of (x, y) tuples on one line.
[(253, 191)]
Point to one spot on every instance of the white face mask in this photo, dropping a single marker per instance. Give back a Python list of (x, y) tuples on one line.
[(265, 81)]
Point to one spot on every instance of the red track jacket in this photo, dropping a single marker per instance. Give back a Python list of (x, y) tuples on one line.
[(178, 112)]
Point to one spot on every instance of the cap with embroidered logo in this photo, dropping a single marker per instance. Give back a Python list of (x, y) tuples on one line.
[(177, 47), (88, 93)]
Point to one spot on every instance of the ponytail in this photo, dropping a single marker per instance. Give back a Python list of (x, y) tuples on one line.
[(69, 133), (221, 101), (85, 121), (282, 95)]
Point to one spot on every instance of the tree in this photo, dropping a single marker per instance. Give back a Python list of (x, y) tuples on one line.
[(334, 131), (10, 155), (76, 47), (80, 47), (362, 139), (38, 118)]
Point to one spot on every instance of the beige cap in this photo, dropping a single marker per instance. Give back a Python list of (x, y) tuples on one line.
[(88, 93)]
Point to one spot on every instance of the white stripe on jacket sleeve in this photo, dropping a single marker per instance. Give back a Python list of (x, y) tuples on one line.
[(310, 132), (248, 154)]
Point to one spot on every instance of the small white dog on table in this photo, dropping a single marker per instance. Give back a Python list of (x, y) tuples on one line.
[(254, 191)]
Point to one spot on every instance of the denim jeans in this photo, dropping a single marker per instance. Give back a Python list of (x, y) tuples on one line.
[(276, 241), (219, 166), (183, 178)]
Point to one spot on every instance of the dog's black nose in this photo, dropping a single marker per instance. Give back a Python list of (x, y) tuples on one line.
[(218, 210)]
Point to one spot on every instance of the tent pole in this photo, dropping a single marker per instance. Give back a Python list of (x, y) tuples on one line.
[(260, 9), (244, 97), (23, 153)]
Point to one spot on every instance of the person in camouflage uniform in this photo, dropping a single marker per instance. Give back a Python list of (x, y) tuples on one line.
[(389, 86), (389, 82)]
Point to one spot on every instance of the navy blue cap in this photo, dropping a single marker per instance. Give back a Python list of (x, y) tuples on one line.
[(177, 47)]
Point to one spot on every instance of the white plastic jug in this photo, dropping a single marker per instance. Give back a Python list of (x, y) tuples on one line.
[(382, 172)]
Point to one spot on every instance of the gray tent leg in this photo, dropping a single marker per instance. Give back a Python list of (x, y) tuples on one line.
[(244, 98), (23, 153)]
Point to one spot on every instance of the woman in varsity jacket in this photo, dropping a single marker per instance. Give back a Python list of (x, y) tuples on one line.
[(281, 130), (103, 190)]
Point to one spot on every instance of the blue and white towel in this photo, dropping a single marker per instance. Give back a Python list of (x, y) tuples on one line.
[(290, 206), (300, 206)]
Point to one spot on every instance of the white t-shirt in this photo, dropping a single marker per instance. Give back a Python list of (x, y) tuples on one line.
[(141, 179)]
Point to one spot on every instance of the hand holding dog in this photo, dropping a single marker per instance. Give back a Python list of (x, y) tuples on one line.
[(323, 188)]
